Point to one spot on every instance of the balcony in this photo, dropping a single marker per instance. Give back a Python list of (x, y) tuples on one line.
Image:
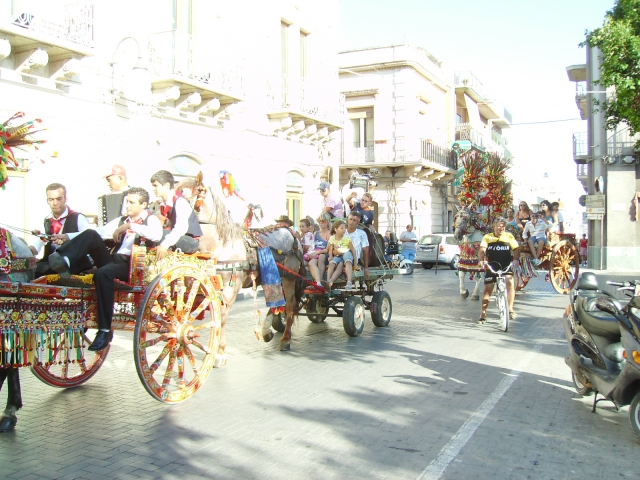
[(622, 143), (304, 108), (43, 46), (434, 162), (582, 174), (63, 31), (581, 99), (580, 147), (187, 76), (479, 142)]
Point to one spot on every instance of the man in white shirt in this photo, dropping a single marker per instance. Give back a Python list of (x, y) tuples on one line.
[(126, 231), (60, 226), (409, 241), (535, 234), (360, 244), (182, 229)]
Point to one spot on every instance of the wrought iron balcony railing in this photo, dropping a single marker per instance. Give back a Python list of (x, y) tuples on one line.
[(437, 154), (580, 144), (174, 53), (303, 95), (72, 23)]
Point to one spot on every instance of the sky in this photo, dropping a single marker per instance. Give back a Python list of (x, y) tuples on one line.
[(518, 49)]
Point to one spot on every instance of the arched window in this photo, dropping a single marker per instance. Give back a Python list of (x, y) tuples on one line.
[(295, 189), (184, 165)]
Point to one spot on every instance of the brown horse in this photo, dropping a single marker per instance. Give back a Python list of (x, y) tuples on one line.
[(8, 418), (224, 239)]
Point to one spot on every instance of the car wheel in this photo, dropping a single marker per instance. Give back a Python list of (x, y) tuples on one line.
[(454, 263)]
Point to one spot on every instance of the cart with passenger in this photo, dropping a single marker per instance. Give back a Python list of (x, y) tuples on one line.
[(172, 306)]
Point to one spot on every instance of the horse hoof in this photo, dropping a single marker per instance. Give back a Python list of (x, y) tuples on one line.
[(220, 361), (268, 337), (475, 297), (464, 295), (285, 346), (8, 423)]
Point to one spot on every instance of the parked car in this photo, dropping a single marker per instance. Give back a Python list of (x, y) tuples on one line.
[(448, 254)]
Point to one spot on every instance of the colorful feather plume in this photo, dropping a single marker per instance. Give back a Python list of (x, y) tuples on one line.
[(229, 186), (16, 135)]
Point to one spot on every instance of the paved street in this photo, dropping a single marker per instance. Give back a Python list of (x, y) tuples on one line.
[(434, 395)]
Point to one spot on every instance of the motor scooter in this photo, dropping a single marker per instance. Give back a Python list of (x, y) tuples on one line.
[(394, 255), (604, 344)]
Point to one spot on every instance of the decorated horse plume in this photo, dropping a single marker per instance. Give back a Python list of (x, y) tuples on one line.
[(13, 136), (229, 185)]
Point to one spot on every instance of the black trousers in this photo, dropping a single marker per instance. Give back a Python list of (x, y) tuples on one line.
[(109, 266)]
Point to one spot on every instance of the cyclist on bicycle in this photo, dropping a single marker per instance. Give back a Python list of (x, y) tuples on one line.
[(502, 249)]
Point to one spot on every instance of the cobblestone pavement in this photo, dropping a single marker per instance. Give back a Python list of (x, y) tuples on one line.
[(434, 395)]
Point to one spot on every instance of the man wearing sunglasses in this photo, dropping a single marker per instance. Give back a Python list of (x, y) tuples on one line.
[(330, 205), (535, 233)]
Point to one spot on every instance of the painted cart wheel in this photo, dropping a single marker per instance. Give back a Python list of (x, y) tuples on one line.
[(564, 266), (177, 333), (317, 309), (66, 371)]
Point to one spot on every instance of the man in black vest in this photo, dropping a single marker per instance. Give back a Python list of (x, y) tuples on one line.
[(182, 229), (126, 231), (62, 224)]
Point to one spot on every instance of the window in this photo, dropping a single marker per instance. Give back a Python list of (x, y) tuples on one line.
[(295, 189), (363, 136), (303, 54), (284, 48)]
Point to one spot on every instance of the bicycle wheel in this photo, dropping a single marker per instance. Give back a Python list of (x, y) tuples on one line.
[(503, 308)]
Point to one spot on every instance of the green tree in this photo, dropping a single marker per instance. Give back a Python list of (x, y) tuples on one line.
[(619, 41)]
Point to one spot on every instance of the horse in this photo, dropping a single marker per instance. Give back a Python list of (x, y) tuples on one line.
[(468, 230), (224, 238), (8, 419)]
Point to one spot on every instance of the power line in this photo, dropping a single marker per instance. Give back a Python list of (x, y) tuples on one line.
[(547, 121)]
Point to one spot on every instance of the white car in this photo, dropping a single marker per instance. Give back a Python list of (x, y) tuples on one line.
[(442, 245)]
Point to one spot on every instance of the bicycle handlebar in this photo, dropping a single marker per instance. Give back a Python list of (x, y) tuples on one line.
[(499, 272)]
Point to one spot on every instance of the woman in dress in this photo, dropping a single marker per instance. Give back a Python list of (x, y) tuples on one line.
[(318, 256)]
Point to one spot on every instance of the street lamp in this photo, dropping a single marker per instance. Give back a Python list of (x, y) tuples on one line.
[(136, 81)]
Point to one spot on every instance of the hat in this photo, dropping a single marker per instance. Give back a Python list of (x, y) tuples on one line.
[(116, 170), (324, 185), (285, 219)]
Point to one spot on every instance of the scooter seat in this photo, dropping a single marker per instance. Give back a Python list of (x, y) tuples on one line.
[(588, 281), (596, 321)]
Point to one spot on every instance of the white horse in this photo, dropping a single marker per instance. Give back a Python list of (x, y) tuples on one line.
[(469, 236), (8, 419)]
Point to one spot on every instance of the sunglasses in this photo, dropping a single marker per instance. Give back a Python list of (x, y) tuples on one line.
[(323, 190)]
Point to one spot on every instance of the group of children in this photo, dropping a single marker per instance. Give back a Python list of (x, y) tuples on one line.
[(326, 246)]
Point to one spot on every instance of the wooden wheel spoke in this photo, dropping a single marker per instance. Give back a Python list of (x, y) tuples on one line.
[(200, 346), (195, 287), (83, 365), (166, 381), (163, 354), (181, 382), (161, 338), (164, 300), (192, 359), (205, 303), (206, 325)]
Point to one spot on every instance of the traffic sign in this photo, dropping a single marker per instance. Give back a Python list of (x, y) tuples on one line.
[(597, 201), (596, 210)]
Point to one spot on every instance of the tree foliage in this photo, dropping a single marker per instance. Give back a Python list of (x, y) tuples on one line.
[(619, 42)]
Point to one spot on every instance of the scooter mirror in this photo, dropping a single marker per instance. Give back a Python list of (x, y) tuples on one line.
[(606, 305)]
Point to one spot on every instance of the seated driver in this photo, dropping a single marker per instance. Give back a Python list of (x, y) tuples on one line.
[(126, 231)]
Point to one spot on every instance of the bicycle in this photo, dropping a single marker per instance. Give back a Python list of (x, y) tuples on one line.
[(501, 295)]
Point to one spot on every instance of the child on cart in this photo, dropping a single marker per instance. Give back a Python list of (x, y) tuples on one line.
[(341, 252), (306, 238)]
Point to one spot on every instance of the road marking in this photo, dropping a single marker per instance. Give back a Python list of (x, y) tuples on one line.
[(451, 450)]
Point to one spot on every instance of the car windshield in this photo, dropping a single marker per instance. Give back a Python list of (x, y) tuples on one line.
[(431, 240)]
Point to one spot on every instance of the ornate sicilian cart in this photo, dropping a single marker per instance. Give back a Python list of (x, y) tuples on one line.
[(173, 308), (560, 258)]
